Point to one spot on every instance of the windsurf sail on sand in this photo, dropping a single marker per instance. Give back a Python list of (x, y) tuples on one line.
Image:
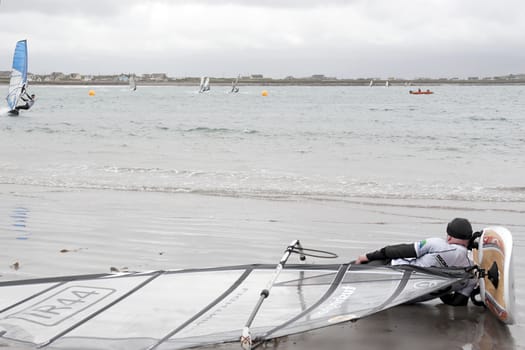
[(178, 309), (18, 80)]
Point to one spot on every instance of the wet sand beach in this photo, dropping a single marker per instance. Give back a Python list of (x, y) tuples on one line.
[(428, 325), (185, 231)]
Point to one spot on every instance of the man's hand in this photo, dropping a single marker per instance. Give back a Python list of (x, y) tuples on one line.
[(361, 259)]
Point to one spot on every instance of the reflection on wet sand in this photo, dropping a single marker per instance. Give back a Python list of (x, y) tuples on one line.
[(429, 326)]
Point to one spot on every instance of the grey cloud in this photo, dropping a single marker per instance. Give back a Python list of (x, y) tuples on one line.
[(103, 8), (267, 3), (374, 38)]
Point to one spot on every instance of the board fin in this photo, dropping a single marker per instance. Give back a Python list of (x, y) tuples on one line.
[(493, 274)]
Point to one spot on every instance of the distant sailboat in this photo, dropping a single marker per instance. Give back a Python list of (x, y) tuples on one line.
[(18, 80), (387, 83), (132, 82), (371, 83), (234, 85), (205, 84)]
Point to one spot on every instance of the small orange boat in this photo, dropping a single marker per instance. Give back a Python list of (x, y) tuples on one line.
[(419, 92)]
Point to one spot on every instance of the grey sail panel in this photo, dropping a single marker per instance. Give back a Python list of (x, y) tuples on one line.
[(42, 318), (224, 323), (188, 308), (365, 291)]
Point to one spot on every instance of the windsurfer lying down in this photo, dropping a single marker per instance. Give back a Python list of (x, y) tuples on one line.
[(433, 252)]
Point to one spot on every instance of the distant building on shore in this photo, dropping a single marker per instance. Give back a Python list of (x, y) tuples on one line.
[(154, 77), (75, 76), (315, 79)]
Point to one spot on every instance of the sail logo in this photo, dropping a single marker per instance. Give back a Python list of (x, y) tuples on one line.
[(222, 307), (335, 303), (425, 284), (62, 305)]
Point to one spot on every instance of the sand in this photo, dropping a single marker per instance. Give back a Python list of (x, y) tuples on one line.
[(74, 232)]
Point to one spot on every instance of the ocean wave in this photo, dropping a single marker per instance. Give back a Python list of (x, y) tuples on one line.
[(209, 130), (485, 119), (138, 170), (517, 189), (272, 187), (46, 130)]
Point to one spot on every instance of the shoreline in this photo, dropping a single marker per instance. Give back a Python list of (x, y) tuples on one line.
[(284, 82)]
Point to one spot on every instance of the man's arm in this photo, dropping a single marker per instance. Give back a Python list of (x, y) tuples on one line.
[(394, 252), (406, 250)]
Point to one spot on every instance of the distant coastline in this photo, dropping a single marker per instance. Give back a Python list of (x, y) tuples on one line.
[(163, 80), (282, 82)]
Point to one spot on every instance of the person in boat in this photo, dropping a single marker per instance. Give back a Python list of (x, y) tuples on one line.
[(29, 100), (433, 252)]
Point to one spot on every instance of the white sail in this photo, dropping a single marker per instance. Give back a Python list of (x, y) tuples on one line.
[(132, 82), (205, 84), (234, 85), (178, 309), (371, 83)]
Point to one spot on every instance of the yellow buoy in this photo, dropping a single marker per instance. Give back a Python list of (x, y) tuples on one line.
[(91, 93), (264, 93)]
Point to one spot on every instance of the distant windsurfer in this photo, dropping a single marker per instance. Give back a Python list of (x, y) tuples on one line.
[(234, 85), (433, 252)]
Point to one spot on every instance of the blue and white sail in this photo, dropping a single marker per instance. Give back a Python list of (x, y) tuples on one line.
[(18, 79)]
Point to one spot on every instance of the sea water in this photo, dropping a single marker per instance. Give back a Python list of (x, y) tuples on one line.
[(167, 160), (460, 143), (164, 177)]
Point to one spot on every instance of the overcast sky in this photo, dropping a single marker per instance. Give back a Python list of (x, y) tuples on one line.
[(277, 38)]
